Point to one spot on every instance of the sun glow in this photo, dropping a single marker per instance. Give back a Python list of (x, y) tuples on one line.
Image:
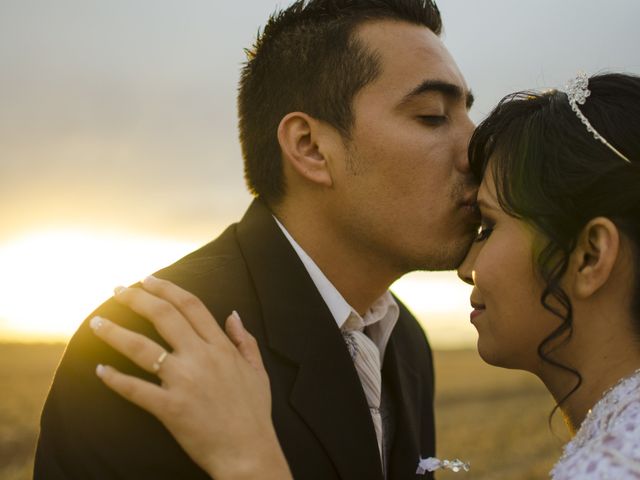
[(51, 280), (440, 302)]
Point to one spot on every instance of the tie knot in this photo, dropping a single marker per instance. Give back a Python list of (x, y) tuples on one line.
[(353, 323)]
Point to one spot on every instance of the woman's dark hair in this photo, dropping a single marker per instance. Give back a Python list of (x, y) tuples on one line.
[(308, 59), (552, 173)]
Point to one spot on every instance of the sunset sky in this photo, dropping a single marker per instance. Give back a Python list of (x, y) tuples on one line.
[(118, 143)]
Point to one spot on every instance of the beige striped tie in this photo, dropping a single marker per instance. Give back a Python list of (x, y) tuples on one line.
[(366, 358)]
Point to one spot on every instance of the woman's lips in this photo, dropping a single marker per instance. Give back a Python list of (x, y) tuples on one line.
[(474, 314), (478, 309)]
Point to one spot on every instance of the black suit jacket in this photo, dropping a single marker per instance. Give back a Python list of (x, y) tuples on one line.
[(319, 409)]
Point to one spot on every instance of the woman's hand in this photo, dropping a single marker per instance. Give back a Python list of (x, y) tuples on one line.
[(214, 398)]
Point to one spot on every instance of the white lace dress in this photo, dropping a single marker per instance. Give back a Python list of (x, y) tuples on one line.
[(607, 446)]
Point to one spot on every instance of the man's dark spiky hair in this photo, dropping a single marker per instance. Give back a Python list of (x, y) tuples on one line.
[(307, 59), (421, 12)]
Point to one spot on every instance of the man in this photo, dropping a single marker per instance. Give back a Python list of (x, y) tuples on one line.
[(354, 128)]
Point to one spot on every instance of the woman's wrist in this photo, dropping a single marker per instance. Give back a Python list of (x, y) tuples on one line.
[(264, 460)]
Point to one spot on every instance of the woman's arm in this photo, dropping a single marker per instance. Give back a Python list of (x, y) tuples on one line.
[(214, 397)]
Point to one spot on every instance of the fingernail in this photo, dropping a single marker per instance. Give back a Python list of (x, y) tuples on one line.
[(100, 370), (238, 321), (118, 290), (149, 279), (96, 323)]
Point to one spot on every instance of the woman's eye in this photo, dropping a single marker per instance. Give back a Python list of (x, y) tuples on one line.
[(433, 120), (484, 231)]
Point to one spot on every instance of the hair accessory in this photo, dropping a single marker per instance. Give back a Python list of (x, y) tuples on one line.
[(577, 92)]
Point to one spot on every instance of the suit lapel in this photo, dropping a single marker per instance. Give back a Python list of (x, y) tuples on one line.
[(327, 393), (405, 384)]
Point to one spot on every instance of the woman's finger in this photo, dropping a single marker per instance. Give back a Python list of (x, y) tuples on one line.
[(146, 395), (168, 321), (142, 351), (188, 304), (244, 341)]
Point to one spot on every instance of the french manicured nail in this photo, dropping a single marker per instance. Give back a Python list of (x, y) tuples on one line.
[(238, 321), (150, 279), (96, 323), (118, 290), (100, 370)]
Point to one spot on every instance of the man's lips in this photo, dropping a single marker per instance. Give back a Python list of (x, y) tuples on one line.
[(470, 205), (469, 198)]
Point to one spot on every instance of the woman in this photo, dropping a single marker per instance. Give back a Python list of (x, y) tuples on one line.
[(556, 264), (556, 274)]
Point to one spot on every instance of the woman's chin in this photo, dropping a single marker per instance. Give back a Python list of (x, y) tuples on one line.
[(497, 358), (491, 355), (487, 357)]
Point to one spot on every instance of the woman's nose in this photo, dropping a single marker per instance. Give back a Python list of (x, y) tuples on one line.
[(465, 270)]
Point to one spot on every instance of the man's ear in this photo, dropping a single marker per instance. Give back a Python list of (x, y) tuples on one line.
[(595, 256), (301, 141)]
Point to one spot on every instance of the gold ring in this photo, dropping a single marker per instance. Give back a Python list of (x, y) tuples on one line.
[(158, 363)]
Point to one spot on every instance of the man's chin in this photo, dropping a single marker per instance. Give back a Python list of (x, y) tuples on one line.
[(444, 262), (448, 258)]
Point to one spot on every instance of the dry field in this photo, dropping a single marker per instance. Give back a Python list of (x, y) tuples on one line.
[(496, 419), (25, 375)]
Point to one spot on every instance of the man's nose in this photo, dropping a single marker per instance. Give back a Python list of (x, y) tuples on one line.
[(466, 130)]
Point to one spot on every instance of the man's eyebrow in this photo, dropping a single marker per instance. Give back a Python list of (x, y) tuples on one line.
[(448, 89)]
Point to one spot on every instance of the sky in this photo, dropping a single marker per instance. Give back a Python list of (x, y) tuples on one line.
[(118, 139)]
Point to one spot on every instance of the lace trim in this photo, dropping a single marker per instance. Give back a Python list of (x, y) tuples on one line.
[(607, 444)]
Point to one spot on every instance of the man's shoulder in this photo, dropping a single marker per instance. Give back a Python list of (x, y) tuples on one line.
[(209, 272), (225, 257), (220, 257), (82, 417)]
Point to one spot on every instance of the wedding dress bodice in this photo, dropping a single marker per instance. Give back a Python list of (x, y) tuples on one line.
[(607, 445)]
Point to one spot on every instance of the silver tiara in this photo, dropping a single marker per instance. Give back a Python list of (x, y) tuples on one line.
[(577, 92)]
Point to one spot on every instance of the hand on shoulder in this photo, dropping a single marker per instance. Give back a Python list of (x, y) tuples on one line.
[(214, 395)]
